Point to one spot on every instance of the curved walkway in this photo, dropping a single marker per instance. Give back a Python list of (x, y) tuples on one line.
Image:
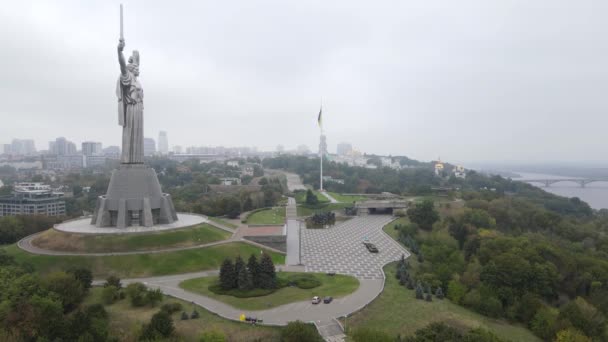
[(361, 263)]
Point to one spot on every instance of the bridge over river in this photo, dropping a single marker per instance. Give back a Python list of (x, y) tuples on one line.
[(547, 182)]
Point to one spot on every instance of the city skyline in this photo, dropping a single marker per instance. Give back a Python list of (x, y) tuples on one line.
[(492, 82)]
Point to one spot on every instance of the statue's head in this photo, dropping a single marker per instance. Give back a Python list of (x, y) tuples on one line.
[(134, 63)]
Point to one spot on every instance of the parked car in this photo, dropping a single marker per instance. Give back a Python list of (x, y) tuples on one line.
[(371, 247), (316, 300), (327, 300)]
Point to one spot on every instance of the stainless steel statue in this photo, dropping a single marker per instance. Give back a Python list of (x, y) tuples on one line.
[(134, 196)]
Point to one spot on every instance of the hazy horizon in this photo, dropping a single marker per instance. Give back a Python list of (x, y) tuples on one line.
[(472, 81)]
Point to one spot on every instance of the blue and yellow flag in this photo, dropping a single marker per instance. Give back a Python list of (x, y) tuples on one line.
[(320, 118)]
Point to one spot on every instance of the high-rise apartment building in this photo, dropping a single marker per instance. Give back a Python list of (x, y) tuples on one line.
[(163, 143)]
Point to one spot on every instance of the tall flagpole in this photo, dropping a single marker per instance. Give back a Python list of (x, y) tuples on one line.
[(321, 146)]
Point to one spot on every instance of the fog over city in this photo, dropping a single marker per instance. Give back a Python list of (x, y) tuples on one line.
[(461, 80)]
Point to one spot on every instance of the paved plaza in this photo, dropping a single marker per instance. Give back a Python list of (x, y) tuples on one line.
[(84, 226), (340, 249)]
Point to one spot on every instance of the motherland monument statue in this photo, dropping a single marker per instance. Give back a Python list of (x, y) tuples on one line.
[(134, 196)]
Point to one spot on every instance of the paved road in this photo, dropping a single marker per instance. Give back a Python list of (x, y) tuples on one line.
[(340, 253), (293, 180), (293, 227)]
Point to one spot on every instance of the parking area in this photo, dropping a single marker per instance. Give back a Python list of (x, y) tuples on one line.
[(340, 249)]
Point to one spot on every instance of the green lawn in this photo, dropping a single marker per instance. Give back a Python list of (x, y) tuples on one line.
[(335, 286), (143, 265), (268, 216), (305, 210), (301, 197), (126, 322), (390, 228), (61, 241), (346, 198), (222, 222), (397, 311)]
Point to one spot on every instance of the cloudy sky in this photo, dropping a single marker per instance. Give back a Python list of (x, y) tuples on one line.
[(463, 80)]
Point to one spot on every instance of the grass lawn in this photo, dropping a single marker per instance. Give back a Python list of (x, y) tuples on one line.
[(126, 322), (301, 197), (143, 265), (304, 210), (346, 198), (397, 311), (335, 286), (268, 216), (61, 241), (222, 222), (390, 228)]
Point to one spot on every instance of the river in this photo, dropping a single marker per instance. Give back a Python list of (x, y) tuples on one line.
[(596, 194)]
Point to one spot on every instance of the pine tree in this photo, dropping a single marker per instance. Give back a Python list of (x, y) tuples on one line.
[(428, 297), (253, 267), (428, 289), (419, 292), (268, 276), (227, 275), (244, 280), (439, 293), (239, 264), (420, 258), (410, 284)]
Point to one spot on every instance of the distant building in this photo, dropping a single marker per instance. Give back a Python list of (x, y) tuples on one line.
[(344, 149), (177, 149), (280, 148), (303, 149), (62, 147), (112, 152), (233, 163), (230, 181), (32, 199), (149, 147), (163, 143), (323, 145), (91, 148), (93, 161), (22, 147), (460, 172), (330, 179)]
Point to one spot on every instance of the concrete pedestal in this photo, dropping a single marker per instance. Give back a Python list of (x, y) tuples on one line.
[(134, 198)]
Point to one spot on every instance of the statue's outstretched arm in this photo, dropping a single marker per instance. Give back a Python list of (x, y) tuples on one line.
[(121, 58)]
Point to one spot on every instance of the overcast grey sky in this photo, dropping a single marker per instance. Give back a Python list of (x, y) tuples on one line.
[(464, 80)]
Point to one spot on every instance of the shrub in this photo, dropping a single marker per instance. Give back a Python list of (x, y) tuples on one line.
[(154, 296), (185, 316), (137, 294), (456, 291), (300, 332), (161, 325), (171, 308), (113, 281), (194, 314), (109, 294)]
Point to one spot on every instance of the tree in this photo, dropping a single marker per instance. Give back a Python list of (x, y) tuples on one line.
[(435, 332), (137, 294), (254, 270), (571, 335), (184, 316), (456, 291), (428, 297), (160, 326), (113, 281), (419, 292), (109, 294), (83, 275), (439, 293), (227, 275), (154, 296), (268, 276), (543, 323), (69, 290), (424, 214), (194, 314), (239, 264), (311, 198), (300, 332), (244, 280)]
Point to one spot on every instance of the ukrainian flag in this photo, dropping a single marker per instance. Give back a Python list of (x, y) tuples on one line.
[(320, 118)]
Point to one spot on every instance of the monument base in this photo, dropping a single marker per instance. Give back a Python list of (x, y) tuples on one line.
[(134, 198)]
